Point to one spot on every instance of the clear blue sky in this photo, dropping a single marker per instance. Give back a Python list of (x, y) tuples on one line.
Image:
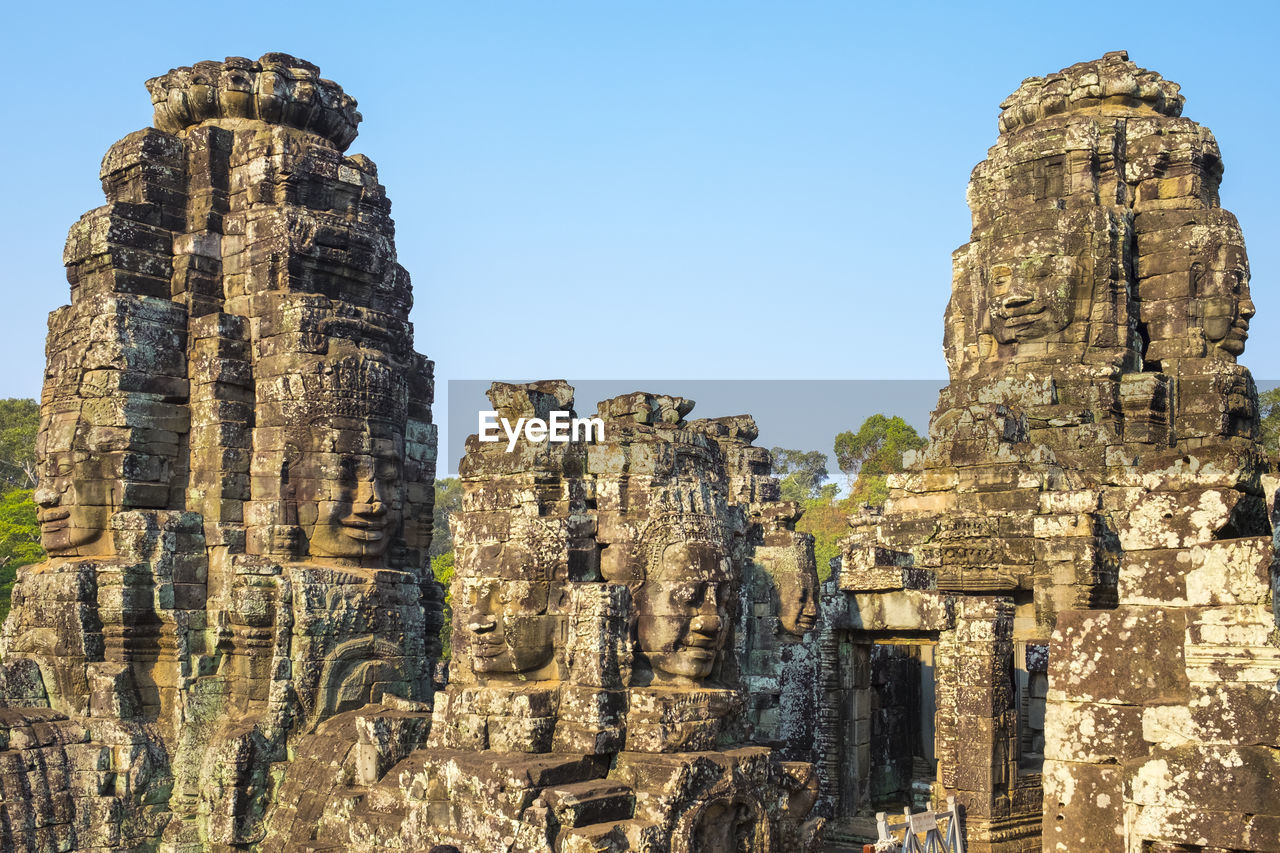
[(709, 190)]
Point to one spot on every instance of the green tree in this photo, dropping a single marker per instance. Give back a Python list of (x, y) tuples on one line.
[(442, 568), (801, 472), (828, 521), (19, 529), (1269, 413), (19, 540), (19, 421), (448, 500), (868, 456)]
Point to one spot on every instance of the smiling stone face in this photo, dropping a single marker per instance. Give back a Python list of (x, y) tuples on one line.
[(1222, 306), (1194, 298), (72, 518), (76, 494), (508, 626), (358, 511), (1031, 297), (798, 600), (682, 621)]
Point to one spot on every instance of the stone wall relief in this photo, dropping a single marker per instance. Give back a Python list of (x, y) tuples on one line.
[(1219, 286), (681, 614), (513, 631)]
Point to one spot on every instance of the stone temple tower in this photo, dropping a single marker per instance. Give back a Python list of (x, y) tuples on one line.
[(1072, 586), (237, 459)]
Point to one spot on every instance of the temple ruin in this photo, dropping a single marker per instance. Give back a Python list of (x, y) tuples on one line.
[(1065, 617), (607, 600), (236, 477), (232, 643), (1065, 614)]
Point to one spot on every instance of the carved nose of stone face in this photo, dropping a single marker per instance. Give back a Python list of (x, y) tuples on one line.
[(1247, 310), (371, 498), (45, 495), (706, 624)]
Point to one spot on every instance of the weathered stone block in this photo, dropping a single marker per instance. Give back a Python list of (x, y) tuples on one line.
[(1083, 807), (1127, 656)]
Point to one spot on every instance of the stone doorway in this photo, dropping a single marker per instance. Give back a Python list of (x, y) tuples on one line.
[(884, 746), (903, 767)]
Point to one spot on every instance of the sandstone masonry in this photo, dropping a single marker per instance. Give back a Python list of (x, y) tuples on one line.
[(1079, 567)]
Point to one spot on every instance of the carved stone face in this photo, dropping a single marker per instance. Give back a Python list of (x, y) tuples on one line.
[(1031, 297), (353, 506), (73, 519), (510, 628), (798, 600), (1220, 285), (682, 623)]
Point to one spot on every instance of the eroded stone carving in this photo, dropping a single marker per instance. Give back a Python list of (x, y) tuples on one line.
[(234, 428), (1093, 455), (681, 618), (1064, 615), (596, 694)]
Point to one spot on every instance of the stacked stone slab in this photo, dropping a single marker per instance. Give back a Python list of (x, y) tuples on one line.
[(596, 696), (236, 474), (1092, 485), (778, 606)]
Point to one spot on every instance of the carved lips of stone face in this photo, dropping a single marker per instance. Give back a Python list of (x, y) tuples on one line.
[(358, 513), (682, 622), (1031, 298), (1221, 289), (511, 631), (71, 521)]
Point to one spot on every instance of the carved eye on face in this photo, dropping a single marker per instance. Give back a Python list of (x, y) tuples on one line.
[(688, 596), (1001, 279), (387, 469), (1238, 279), (1197, 273)]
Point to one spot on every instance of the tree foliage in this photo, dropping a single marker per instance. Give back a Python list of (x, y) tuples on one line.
[(868, 456), (448, 500), (442, 568), (19, 422), (19, 540), (1269, 413), (19, 528), (801, 472), (828, 521)]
